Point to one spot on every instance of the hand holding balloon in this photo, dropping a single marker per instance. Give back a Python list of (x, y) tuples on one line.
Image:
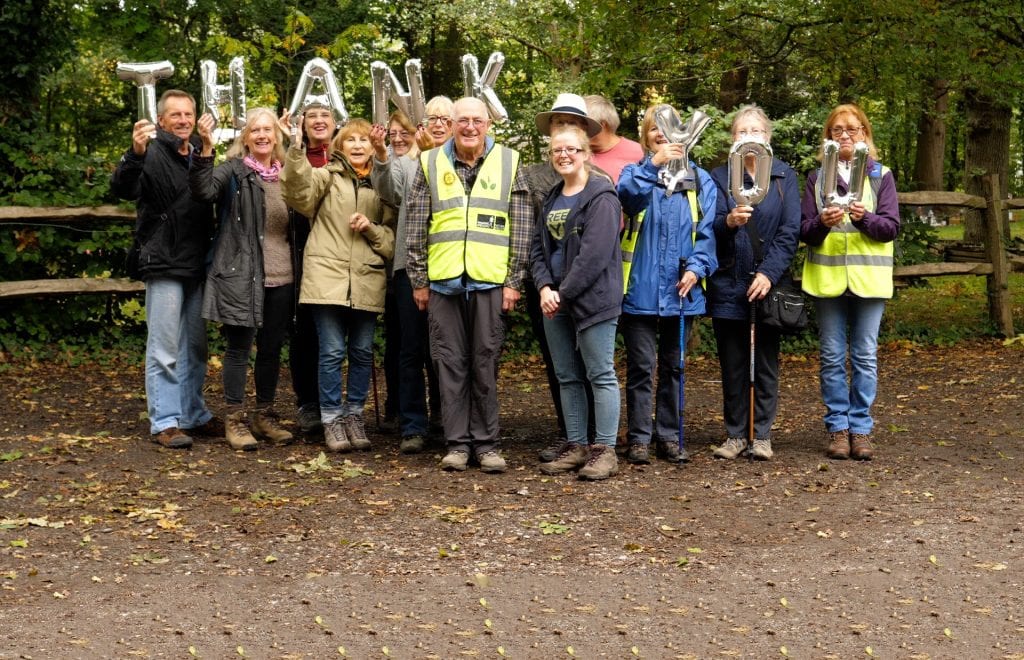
[(665, 153), (857, 211), (831, 216), (378, 135), (738, 216), (423, 138), (142, 133), (205, 125)]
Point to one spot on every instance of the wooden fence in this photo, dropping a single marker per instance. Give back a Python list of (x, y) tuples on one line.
[(995, 265)]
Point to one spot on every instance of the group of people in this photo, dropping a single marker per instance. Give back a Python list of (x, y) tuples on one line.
[(310, 231)]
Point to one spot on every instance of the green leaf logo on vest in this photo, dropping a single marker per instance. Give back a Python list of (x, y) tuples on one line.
[(487, 184)]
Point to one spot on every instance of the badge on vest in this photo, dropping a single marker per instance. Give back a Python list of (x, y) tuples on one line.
[(449, 178), (490, 222)]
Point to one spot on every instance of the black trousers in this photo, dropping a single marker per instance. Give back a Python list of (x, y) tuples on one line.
[(733, 338), (278, 302)]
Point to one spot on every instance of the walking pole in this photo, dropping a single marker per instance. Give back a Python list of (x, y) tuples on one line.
[(753, 338), (682, 365)]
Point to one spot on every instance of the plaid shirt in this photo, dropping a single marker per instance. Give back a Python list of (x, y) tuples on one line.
[(418, 217)]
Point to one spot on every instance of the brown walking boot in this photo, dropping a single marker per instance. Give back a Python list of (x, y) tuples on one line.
[(838, 444), (861, 448), (237, 432)]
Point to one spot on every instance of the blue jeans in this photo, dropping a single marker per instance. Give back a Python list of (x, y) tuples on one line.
[(343, 330), (175, 354), (579, 357), (854, 322)]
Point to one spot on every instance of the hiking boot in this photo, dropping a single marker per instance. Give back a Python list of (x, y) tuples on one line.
[(491, 462), (412, 444), (212, 428), (638, 454), (838, 445), (267, 426), (172, 438), (861, 448), (731, 448), (237, 432), (335, 436), (455, 459), (309, 419), (669, 451), (356, 432), (571, 458), (552, 451), (601, 463), (762, 449)]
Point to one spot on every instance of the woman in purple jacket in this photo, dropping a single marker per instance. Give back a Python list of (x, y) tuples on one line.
[(577, 268), (848, 272)]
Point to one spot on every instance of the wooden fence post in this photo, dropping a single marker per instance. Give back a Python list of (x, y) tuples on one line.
[(999, 309)]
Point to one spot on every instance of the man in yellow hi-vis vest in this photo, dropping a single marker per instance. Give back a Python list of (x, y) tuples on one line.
[(470, 222)]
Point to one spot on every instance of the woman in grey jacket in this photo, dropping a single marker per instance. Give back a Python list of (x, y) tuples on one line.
[(577, 268), (250, 286)]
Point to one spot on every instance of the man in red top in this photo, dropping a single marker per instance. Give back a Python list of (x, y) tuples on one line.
[(611, 152)]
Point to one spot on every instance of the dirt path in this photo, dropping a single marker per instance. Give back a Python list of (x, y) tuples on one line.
[(113, 547)]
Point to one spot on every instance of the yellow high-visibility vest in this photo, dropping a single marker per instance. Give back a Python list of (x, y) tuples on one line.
[(469, 235), (848, 259)]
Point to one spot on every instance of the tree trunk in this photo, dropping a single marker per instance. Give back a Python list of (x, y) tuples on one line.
[(987, 152), (732, 89), (931, 138)]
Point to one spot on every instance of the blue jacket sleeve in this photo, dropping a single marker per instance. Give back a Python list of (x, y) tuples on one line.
[(704, 260), (636, 183), (539, 267), (779, 252)]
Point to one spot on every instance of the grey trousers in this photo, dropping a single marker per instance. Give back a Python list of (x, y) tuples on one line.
[(652, 344), (466, 333)]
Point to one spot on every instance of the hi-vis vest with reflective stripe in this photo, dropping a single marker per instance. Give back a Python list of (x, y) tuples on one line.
[(847, 258), (632, 232), (469, 235)]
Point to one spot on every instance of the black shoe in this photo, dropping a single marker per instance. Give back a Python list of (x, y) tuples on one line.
[(639, 454), (552, 451)]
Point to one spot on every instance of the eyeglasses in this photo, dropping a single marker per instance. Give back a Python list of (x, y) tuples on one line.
[(565, 151), (438, 119), (752, 132), (405, 135), (476, 122), (853, 131)]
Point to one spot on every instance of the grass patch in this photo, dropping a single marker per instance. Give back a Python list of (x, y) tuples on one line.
[(944, 310)]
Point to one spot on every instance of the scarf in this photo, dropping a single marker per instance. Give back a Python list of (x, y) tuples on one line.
[(271, 173)]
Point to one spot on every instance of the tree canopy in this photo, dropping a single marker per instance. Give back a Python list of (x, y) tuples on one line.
[(907, 62)]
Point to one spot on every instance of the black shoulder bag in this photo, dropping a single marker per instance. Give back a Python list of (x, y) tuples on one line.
[(784, 307)]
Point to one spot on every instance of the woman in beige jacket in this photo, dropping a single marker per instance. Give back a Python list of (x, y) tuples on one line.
[(344, 277)]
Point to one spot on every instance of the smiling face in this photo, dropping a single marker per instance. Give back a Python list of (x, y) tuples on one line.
[(399, 138), (470, 123), (178, 116), (319, 126), (569, 152), (261, 138), (357, 148), (847, 131)]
